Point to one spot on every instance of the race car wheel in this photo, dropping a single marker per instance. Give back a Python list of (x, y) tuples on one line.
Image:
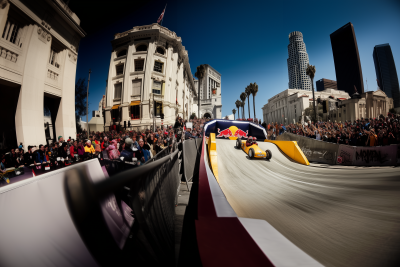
[(238, 143), (269, 154), (251, 153)]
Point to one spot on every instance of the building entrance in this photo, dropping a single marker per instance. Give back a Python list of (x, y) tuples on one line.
[(8, 106), (51, 104), (207, 116)]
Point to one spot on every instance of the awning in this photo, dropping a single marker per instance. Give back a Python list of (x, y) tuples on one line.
[(135, 103), (115, 107)]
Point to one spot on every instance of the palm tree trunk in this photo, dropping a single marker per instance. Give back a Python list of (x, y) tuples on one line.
[(243, 114), (248, 102), (254, 107), (238, 112), (313, 96)]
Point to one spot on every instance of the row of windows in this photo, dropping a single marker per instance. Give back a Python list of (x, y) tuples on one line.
[(136, 88), (139, 66), (140, 48)]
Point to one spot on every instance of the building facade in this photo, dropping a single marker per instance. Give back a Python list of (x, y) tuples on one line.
[(149, 75), (386, 73), (210, 94), (323, 84), (289, 105), (347, 60), (298, 62), (38, 55), (369, 105)]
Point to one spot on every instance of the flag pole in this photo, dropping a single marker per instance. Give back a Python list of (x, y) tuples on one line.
[(165, 9)]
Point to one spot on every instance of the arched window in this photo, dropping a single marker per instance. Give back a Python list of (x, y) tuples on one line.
[(121, 53), (160, 50), (141, 48)]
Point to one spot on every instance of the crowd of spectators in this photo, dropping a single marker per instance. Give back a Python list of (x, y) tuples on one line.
[(379, 131), (135, 147)]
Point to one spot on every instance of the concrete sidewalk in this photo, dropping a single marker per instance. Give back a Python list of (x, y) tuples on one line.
[(180, 209)]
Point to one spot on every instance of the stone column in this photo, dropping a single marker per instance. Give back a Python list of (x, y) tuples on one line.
[(29, 121)]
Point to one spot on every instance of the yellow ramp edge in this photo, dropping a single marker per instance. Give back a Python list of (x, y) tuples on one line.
[(292, 150), (212, 154)]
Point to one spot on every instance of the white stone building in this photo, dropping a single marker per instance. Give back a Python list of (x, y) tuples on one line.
[(38, 54), (298, 62), (149, 75), (210, 94), (289, 105)]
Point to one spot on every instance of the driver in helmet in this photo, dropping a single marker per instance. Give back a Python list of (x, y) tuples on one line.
[(249, 141), (255, 141)]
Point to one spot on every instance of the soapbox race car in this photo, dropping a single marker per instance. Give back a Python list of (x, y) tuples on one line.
[(251, 148)]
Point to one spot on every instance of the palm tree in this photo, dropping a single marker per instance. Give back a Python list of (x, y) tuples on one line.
[(238, 104), (201, 70), (248, 93), (243, 97), (311, 73), (254, 90), (234, 112), (242, 104)]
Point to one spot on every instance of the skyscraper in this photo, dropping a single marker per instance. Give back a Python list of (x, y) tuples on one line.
[(298, 62), (325, 84), (347, 60), (386, 73)]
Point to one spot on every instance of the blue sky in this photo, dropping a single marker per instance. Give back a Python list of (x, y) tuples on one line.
[(246, 41)]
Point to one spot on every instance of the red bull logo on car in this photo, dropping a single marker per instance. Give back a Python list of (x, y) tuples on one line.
[(232, 133)]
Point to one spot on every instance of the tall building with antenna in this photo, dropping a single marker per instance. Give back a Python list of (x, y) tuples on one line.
[(298, 62)]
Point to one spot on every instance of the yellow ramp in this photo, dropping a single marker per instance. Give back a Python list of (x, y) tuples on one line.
[(212, 154), (292, 150)]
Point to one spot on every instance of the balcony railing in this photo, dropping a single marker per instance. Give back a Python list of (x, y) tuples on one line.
[(206, 101)]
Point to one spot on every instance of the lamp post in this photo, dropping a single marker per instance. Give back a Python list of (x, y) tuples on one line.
[(87, 103)]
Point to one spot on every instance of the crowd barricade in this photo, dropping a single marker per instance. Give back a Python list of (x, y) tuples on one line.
[(189, 153), (149, 192), (330, 153)]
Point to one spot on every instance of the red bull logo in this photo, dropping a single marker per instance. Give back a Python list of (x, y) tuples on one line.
[(241, 134), (224, 133), (232, 133)]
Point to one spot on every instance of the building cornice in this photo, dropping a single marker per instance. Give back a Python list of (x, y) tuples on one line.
[(157, 31)]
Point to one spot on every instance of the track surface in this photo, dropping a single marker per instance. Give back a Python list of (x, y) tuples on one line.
[(340, 216)]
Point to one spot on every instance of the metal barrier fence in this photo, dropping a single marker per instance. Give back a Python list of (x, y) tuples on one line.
[(151, 193)]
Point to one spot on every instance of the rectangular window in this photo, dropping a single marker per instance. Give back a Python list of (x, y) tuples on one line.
[(135, 112), (119, 69), (139, 63), (115, 114), (158, 109), (118, 90), (53, 60), (158, 66), (136, 86), (157, 88)]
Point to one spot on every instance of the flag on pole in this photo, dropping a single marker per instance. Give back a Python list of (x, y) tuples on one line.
[(161, 17)]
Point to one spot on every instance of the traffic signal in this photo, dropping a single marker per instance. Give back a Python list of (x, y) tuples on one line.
[(125, 125), (162, 116), (129, 124)]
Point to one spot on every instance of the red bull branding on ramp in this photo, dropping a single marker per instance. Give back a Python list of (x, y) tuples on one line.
[(232, 133)]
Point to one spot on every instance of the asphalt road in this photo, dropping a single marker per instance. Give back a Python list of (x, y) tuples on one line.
[(340, 216)]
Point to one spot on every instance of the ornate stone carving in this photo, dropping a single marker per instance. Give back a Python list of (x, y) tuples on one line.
[(8, 54), (72, 57), (52, 75), (43, 35), (3, 4)]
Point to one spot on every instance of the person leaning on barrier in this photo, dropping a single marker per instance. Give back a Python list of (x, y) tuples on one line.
[(131, 154)]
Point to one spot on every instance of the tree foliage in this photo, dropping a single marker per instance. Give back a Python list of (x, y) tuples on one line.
[(80, 97), (80, 102)]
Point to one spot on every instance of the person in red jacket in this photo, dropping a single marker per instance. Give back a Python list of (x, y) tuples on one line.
[(249, 141)]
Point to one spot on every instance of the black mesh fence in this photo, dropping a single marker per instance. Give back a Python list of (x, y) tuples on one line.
[(159, 155), (189, 158), (150, 191), (153, 204)]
